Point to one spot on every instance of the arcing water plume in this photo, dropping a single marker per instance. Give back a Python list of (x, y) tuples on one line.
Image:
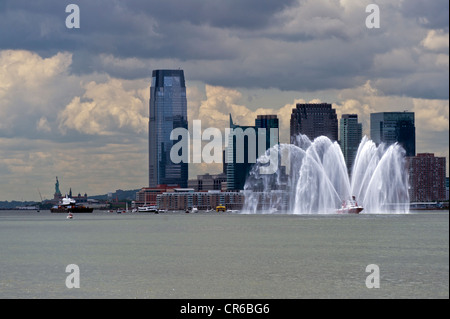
[(312, 178)]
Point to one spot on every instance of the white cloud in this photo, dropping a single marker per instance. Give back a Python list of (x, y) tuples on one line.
[(105, 109), (29, 87), (436, 40), (20, 67), (38, 96), (431, 115), (43, 125)]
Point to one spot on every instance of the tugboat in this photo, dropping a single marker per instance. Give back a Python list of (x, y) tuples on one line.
[(69, 205), (350, 207)]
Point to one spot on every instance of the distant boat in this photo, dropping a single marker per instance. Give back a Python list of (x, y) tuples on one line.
[(122, 211), (147, 209), (191, 210), (72, 209), (27, 208), (69, 216), (221, 208), (69, 205), (350, 207)]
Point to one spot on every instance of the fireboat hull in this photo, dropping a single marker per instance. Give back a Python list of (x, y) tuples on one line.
[(352, 210)]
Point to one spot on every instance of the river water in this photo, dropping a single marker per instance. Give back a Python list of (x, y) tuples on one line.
[(216, 255)]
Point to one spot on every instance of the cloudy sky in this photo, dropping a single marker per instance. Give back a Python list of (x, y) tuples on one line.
[(74, 102)]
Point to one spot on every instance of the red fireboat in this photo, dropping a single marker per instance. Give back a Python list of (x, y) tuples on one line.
[(350, 207)]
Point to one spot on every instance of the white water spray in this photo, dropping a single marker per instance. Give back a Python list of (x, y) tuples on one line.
[(313, 179)]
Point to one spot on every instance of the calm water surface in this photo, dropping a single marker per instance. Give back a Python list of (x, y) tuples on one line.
[(210, 255)]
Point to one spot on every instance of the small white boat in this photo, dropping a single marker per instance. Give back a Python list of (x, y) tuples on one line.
[(147, 209), (69, 216)]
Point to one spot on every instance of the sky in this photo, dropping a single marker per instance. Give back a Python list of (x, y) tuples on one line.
[(74, 101)]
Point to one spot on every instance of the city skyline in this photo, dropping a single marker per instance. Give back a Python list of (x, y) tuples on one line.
[(74, 102)]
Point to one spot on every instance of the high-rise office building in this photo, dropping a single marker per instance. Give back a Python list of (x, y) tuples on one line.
[(239, 159), (268, 122), (168, 111), (391, 127), (314, 120), (243, 148), (350, 137), (426, 177), (447, 182)]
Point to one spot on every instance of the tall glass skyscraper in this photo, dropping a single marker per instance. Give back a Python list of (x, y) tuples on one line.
[(168, 110), (391, 127), (268, 122), (351, 135), (243, 148)]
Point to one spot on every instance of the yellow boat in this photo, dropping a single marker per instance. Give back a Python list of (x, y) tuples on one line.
[(221, 209)]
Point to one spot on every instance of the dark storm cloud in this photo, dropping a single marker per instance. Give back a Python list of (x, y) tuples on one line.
[(182, 30), (249, 14), (106, 26), (130, 28), (424, 86), (431, 14), (289, 45)]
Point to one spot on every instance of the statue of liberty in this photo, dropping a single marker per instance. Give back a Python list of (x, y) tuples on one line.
[(57, 191)]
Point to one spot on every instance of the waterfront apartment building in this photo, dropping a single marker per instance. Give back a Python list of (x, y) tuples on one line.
[(350, 137), (244, 148), (183, 199), (207, 182), (147, 195), (391, 127), (426, 177), (168, 111), (314, 120)]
